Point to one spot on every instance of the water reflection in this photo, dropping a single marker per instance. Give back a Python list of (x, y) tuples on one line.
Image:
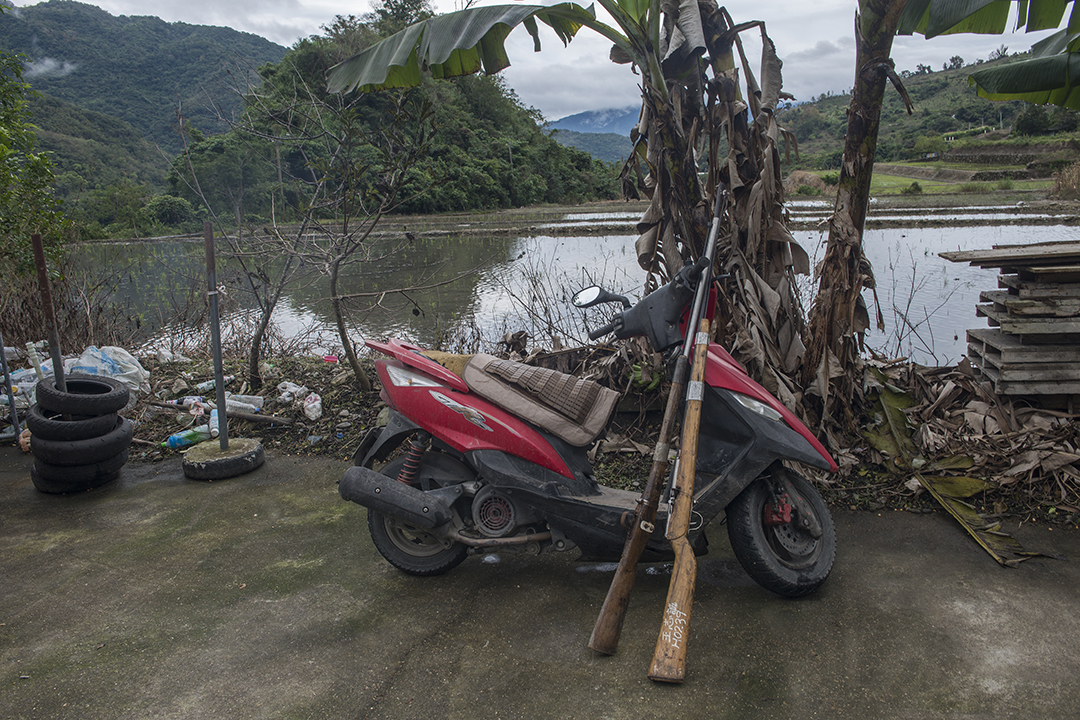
[(479, 288)]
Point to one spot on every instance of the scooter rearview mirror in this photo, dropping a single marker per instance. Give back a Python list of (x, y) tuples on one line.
[(587, 297), (594, 295)]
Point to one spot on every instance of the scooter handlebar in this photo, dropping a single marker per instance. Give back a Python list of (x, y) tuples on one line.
[(602, 331)]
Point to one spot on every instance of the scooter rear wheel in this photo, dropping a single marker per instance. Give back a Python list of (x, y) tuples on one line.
[(411, 549), (785, 559)]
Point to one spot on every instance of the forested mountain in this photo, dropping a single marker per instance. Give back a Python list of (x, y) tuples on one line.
[(945, 106), (139, 69), (607, 146), (94, 149)]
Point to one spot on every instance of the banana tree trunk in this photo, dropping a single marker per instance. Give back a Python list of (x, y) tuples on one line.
[(839, 316)]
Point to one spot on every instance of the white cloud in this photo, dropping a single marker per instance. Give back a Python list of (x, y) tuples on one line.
[(815, 41), (49, 67)]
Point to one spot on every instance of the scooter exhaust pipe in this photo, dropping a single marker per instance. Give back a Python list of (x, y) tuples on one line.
[(396, 499)]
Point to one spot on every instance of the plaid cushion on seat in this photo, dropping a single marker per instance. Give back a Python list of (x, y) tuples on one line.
[(569, 407)]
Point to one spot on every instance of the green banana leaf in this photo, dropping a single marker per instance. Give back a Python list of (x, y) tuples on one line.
[(1042, 80), (1049, 77), (457, 43), (944, 17), (1001, 546)]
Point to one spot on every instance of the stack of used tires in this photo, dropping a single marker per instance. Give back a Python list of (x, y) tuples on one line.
[(78, 440)]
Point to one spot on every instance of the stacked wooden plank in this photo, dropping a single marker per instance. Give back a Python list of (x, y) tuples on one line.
[(1032, 346)]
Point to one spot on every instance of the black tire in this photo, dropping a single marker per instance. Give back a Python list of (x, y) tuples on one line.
[(52, 426), (411, 549), (224, 467), (85, 395), (84, 452), (59, 479), (782, 558)]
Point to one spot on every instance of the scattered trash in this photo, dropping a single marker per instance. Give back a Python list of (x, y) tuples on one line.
[(23, 383), (313, 406), (187, 400), (167, 356), (255, 401), (234, 405), (330, 358), (214, 430), (191, 436), (290, 392), (314, 439), (24, 440), (211, 384), (111, 361), (35, 360)]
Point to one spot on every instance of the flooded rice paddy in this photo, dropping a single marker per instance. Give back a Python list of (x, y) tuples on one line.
[(507, 283)]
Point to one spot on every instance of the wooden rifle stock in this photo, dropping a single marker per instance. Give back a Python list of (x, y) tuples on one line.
[(605, 634), (669, 658)]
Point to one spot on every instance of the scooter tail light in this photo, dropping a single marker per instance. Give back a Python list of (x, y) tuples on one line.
[(404, 377)]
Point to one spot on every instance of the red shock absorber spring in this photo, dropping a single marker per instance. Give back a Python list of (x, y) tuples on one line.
[(417, 446)]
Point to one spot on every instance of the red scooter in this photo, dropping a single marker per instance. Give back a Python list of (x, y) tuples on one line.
[(491, 455)]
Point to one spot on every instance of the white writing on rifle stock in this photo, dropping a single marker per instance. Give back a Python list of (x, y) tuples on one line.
[(674, 628)]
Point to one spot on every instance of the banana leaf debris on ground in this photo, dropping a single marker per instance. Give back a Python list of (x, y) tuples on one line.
[(981, 456)]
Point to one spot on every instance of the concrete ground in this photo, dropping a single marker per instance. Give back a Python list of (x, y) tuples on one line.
[(263, 597)]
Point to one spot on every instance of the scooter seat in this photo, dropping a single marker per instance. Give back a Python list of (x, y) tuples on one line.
[(571, 408)]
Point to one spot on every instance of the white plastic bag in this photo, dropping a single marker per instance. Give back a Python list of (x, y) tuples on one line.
[(113, 362), (313, 406)]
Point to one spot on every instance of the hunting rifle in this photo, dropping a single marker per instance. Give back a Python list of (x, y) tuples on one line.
[(669, 657), (605, 634)]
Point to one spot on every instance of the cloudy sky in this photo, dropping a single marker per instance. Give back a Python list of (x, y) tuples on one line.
[(814, 39)]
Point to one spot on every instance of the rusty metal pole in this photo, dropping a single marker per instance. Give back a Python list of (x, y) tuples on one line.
[(7, 388), (215, 335), (50, 312)]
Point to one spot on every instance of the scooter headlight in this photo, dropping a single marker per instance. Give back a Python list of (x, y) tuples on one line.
[(403, 377), (759, 407)]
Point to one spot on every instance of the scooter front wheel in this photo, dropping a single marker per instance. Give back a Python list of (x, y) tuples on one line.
[(784, 558)]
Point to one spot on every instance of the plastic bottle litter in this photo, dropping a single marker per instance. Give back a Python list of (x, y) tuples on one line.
[(313, 406), (187, 437), (253, 400), (233, 405), (214, 430), (35, 359), (210, 384)]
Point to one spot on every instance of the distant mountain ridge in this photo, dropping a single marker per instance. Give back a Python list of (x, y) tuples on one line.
[(614, 120), (140, 69)]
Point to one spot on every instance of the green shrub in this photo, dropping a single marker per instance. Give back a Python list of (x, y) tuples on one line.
[(913, 189), (971, 187), (807, 190), (1005, 184), (831, 178)]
